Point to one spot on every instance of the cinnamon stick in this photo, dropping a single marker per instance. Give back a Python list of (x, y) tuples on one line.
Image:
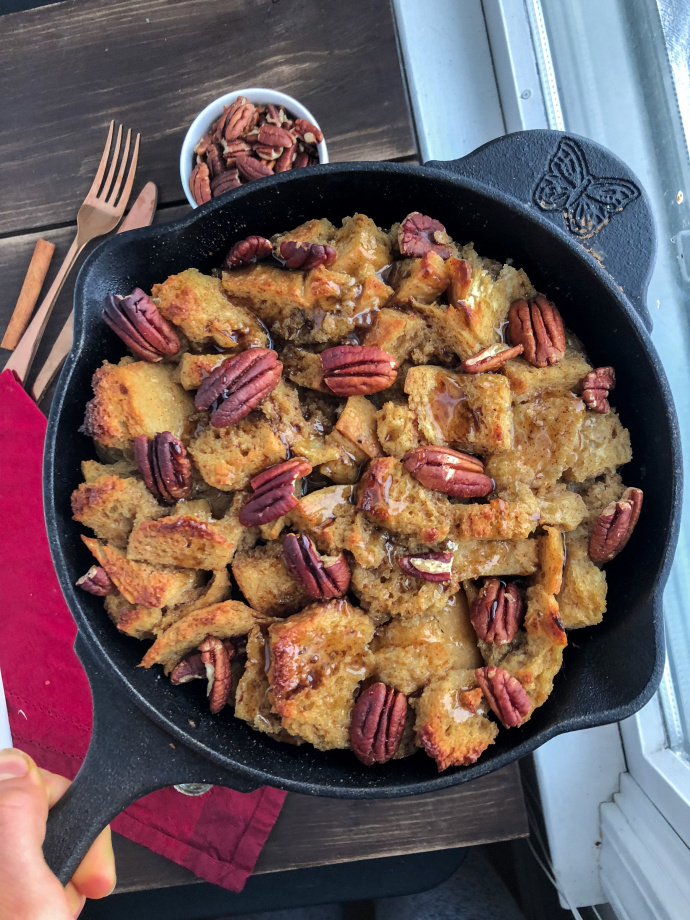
[(35, 276)]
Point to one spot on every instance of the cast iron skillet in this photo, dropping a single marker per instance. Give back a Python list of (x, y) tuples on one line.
[(149, 734)]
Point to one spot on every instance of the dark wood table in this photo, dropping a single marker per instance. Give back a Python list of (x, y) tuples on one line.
[(65, 71)]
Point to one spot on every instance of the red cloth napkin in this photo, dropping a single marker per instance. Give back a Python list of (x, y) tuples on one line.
[(218, 836)]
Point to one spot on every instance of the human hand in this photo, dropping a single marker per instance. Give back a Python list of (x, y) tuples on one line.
[(28, 889)]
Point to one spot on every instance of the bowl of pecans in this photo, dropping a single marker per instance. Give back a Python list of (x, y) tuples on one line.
[(247, 135)]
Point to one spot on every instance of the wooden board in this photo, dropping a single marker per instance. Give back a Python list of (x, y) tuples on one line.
[(67, 69), (317, 831)]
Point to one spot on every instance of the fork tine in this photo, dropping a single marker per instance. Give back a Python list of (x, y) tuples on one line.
[(113, 165), (118, 182), (104, 162), (127, 190)]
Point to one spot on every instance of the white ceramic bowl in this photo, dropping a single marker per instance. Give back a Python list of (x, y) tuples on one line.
[(207, 116)]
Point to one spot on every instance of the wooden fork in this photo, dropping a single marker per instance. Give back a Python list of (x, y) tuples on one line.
[(99, 214)]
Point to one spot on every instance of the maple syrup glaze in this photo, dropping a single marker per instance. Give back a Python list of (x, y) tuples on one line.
[(453, 419)]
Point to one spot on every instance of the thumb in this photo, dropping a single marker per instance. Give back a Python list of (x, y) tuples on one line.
[(28, 889)]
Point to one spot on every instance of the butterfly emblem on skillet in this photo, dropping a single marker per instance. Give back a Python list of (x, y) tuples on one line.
[(588, 202)]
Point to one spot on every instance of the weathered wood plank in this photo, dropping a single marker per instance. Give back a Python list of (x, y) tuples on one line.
[(318, 831), (67, 69)]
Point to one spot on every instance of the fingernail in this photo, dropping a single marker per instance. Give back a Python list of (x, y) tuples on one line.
[(12, 765)]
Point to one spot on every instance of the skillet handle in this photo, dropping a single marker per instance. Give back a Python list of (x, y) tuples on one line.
[(129, 756), (583, 189)]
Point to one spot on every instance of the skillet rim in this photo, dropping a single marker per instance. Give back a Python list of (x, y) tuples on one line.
[(436, 174)]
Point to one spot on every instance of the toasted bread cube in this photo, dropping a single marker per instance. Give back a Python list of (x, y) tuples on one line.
[(193, 368), (452, 724), (319, 509), (188, 539), (397, 430), (228, 458), (582, 598), (411, 652), (596, 494), (92, 470), (312, 231), (251, 700), (361, 246), (499, 519), (391, 498), (143, 584), (397, 333), (604, 445), (559, 507), (420, 280), (318, 659), (551, 560), (267, 583), (526, 381), (217, 589), (136, 621), (133, 398), (386, 591), (227, 620), (345, 467), (357, 423), (536, 654), (466, 411), (546, 436), (482, 558), (196, 303), (110, 505), (304, 368)]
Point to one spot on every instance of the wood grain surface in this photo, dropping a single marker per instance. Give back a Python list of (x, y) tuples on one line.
[(67, 69), (314, 831)]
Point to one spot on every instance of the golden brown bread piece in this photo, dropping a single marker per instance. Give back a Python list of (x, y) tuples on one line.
[(196, 303), (317, 660), (228, 458), (582, 598), (193, 368), (560, 507), (400, 334), (134, 398), (465, 411), (361, 246), (527, 381), (597, 493), (393, 500), (304, 368), (227, 620), (478, 558), (110, 505), (418, 280), (311, 231), (411, 652), (551, 561), (397, 429), (133, 620), (452, 724), (251, 700), (604, 444), (386, 591), (502, 518), (143, 584), (357, 423), (267, 583)]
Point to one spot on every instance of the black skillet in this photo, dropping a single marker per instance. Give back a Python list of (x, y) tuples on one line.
[(588, 242)]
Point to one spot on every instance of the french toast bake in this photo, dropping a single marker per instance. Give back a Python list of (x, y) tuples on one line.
[(360, 482)]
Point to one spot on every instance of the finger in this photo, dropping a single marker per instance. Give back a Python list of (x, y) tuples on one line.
[(95, 876), (75, 900), (27, 886)]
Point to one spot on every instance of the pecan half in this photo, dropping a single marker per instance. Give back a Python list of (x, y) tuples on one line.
[(244, 252), (497, 611), (274, 492), (309, 133), (356, 370), (614, 526), (420, 234), (232, 148), (238, 385), (460, 280), (251, 168), (538, 327), (305, 256), (141, 327), (377, 723), (505, 695), (97, 581), (596, 386), (190, 668), (285, 160), (301, 159), (215, 161), (429, 566), (274, 136), (225, 182), (321, 577), (450, 471), (200, 183), (164, 466), (216, 659), (236, 119), (491, 358)]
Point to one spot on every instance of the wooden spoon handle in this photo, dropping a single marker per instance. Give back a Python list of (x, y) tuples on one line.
[(53, 362)]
